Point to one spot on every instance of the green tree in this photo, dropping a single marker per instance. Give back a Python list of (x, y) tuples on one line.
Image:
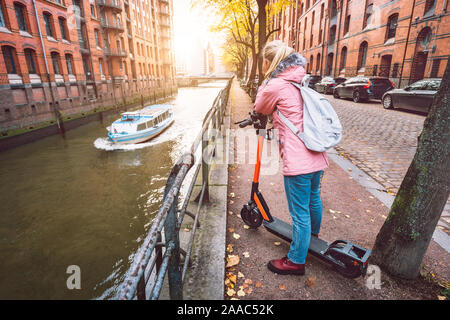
[(405, 236)]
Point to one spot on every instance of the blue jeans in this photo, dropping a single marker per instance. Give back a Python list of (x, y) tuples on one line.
[(305, 207)]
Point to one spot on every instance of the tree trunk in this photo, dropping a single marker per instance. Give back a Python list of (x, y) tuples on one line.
[(404, 238), (262, 35)]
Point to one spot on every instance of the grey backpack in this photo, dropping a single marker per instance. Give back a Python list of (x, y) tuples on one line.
[(321, 126)]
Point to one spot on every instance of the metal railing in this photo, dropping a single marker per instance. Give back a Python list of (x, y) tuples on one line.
[(160, 251)]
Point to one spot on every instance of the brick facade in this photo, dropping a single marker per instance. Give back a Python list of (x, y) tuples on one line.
[(406, 40), (97, 53)]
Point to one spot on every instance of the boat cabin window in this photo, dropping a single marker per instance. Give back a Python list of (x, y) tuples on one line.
[(127, 117), (149, 123), (141, 126)]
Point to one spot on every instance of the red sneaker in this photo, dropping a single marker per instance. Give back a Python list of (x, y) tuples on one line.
[(286, 266)]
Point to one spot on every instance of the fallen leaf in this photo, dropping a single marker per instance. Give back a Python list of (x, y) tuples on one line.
[(230, 229), (231, 292), (232, 260), (332, 211), (334, 217), (230, 213), (231, 201), (246, 226), (259, 284), (232, 194), (241, 293), (230, 248), (383, 216), (248, 281), (277, 243), (311, 282), (232, 277), (282, 287), (248, 291), (347, 216), (240, 275), (368, 211), (236, 236), (442, 298), (186, 229), (246, 254)]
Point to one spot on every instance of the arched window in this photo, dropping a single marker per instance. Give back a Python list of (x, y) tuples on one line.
[(329, 64), (69, 63), (30, 57), (4, 21), (21, 15), (368, 13), (63, 28), (391, 26), (318, 62), (362, 55), (10, 59), (311, 63), (56, 63), (48, 22), (333, 9), (343, 61)]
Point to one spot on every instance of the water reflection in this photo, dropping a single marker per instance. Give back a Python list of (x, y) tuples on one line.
[(67, 202)]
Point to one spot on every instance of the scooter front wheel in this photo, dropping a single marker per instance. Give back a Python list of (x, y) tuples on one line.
[(251, 216)]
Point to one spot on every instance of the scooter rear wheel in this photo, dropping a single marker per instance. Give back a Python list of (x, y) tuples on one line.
[(251, 217)]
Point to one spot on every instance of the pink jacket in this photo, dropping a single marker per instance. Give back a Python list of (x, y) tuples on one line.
[(279, 93)]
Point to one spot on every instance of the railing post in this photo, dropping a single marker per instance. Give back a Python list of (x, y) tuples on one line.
[(141, 288), (171, 234)]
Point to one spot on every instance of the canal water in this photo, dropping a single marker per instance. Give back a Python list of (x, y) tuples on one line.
[(80, 201)]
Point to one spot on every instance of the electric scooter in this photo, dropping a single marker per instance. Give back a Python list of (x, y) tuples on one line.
[(345, 257)]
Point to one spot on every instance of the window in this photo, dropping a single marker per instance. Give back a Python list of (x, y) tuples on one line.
[(62, 28), (368, 14), (93, 11), (20, 15), (311, 63), (343, 58), (30, 58), (332, 35), (55, 63), (48, 24), (3, 15), (100, 65), (347, 24), (97, 37), (391, 26), (322, 9), (141, 126), (10, 58), (429, 6), (362, 56), (333, 11), (435, 68), (433, 85), (69, 63), (318, 62)]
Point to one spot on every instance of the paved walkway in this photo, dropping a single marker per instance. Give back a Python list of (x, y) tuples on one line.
[(351, 212)]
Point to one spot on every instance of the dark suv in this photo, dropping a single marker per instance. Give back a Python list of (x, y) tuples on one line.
[(363, 88)]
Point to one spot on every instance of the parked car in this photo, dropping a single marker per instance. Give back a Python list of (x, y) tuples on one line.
[(327, 84), (363, 88), (418, 96), (313, 80)]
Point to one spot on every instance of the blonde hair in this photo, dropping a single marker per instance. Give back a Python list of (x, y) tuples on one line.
[(275, 51)]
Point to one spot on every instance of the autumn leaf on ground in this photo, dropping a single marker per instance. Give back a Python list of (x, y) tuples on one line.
[(277, 243), (246, 254), (229, 248), (230, 213), (232, 260), (232, 277), (332, 211), (230, 229), (347, 216), (241, 293), (246, 226), (231, 292), (311, 282), (236, 236), (282, 287), (248, 290), (240, 275), (231, 201), (248, 281), (259, 284), (232, 194)]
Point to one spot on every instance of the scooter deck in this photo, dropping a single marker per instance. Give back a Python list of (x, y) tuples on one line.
[(284, 231)]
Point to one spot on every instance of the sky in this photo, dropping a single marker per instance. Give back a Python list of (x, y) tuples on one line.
[(191, 27)]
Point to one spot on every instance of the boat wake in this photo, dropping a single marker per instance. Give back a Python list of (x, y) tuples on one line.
[(107, 145)]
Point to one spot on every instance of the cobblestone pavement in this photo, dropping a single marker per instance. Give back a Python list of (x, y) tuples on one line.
[(381, 142)]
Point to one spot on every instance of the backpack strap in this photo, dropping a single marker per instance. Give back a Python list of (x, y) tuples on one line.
[(288, 122)]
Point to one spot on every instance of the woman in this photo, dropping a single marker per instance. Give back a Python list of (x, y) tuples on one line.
[(302, 168)]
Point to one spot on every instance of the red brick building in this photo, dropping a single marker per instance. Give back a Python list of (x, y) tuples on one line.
[(98, 53), (405, 40)]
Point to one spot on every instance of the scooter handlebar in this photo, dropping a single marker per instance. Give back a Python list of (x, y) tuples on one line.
[(245, 123)]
